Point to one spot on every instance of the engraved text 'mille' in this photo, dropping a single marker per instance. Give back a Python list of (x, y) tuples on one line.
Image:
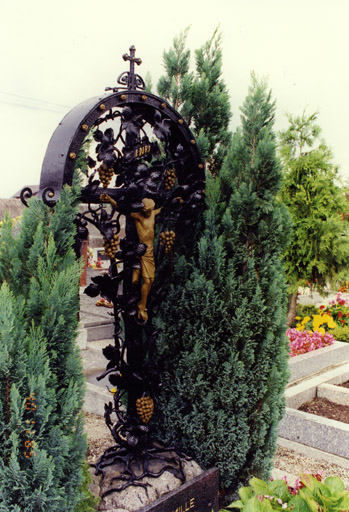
[(186, 507)]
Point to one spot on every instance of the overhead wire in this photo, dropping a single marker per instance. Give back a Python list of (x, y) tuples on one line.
[(24, 101)]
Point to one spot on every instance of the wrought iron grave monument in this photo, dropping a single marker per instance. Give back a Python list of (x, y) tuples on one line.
[(146, 174)]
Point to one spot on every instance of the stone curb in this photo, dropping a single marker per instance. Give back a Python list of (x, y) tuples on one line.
[(328, 436), (306, 364), (298, 394), (322, 433), (99, 331), (333, 393)]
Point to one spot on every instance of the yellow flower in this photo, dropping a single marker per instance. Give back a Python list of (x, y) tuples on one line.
[(318, 320), (321, 330), (297, 317), (306, 319), (327, 318), (300, 327)]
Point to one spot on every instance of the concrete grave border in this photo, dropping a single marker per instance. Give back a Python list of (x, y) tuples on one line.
[(329, 436), (305, 365)]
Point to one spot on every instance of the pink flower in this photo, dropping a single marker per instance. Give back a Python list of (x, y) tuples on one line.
[(302, 342)]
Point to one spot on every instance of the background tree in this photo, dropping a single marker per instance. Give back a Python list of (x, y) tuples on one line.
[(318, 251), (202, 97), (41, 377), (148, 82), (222, 344)]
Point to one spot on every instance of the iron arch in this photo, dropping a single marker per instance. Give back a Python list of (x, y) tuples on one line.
[(63, 148)]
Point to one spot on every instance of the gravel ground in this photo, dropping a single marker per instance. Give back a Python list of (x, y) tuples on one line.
[(286, 460), (294, 463)]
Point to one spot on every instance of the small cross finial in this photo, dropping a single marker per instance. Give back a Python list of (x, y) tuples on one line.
[(132, 78), (129, 78), (132, 58)]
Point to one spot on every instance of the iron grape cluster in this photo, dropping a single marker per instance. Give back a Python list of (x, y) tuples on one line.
[(170, 179), (111, 246), (105, 175), (167, 239), (145, 408)]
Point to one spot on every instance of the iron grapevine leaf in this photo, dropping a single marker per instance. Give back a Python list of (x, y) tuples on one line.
[(161, 127), (104, 286), (98, 135), (92, 290), (93, 186), (109, 352), (90, 162)]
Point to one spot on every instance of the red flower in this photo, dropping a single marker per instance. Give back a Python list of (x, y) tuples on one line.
[(346, 314), (322, 307), (340, 314), (343, 322)]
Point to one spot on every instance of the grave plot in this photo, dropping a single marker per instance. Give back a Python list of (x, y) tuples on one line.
[(323, 373)]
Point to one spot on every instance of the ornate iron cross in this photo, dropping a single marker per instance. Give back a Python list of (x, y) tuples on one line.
[(129, 78)]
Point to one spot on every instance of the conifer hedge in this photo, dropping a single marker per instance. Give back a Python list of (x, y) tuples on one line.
[(41, 379), (222, 346)]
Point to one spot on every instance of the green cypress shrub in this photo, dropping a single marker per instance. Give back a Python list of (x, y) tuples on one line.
[(41, 378), (201, 97), (222, 349)]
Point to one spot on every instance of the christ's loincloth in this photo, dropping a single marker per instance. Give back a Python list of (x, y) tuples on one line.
[(148, 265)]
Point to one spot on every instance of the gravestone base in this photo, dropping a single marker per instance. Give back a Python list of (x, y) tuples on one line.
[(165, 493)]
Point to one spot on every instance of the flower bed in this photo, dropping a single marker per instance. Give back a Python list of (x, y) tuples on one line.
[(302, 342), (319, 327), (326, 317), (338, 309)]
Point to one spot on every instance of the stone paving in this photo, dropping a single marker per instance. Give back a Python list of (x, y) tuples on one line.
[(98, 321), (308, 297), (90, 314)]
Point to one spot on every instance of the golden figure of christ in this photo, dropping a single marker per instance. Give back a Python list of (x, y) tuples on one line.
[(144, 222)]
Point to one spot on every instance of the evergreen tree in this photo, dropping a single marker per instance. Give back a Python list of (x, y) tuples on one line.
[(176, 85), (318, 251), (41, 377), (211, 111), (222, 345), (201, 97)]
